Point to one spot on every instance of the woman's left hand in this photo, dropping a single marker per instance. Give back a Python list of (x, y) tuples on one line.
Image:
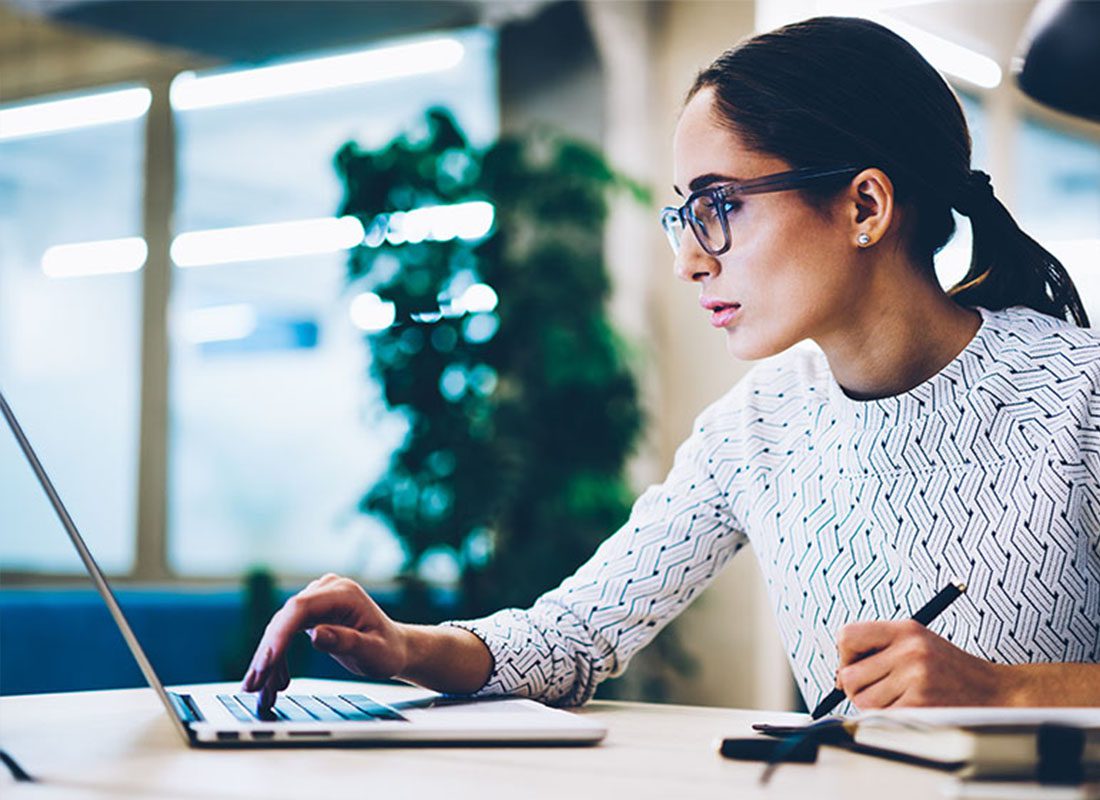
[(904, 664)]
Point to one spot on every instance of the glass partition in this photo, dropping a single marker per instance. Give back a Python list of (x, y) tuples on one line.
[(70, 325)]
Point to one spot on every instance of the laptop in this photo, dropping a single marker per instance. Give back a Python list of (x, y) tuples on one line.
[(379, 714)]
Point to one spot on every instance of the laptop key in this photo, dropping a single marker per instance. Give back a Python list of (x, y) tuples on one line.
[(291, 711), (249, 701), (372, 707), (345, 709), (315, 707), (236, 708)]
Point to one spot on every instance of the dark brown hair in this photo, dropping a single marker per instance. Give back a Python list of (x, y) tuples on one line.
[(839, 90)]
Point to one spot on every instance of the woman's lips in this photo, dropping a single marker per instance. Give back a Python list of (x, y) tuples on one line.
[(721, 316), (722, 311)]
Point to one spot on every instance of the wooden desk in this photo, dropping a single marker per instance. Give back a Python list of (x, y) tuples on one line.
[(119, 744)]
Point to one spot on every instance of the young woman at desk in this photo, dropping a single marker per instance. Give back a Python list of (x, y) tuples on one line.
[(935, 435)]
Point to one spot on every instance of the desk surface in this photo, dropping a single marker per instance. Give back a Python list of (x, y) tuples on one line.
[(120, 744)]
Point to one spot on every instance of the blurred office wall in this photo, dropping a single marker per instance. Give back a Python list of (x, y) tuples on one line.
[(651, 54)]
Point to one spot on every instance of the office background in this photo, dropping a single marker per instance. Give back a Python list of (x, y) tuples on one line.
[(205, 408)]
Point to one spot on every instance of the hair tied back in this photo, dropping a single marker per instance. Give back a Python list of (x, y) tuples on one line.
[(977, 192)]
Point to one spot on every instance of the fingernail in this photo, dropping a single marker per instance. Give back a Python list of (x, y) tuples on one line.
[(324, 636)]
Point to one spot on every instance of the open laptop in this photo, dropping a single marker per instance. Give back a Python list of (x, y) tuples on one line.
[(342, 716)]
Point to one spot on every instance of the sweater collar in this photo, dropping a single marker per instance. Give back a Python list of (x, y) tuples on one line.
[(942, 390)]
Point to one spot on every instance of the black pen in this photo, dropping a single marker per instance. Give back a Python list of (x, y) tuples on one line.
[(928, 612)]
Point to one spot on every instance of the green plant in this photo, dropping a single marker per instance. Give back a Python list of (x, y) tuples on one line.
[(520, 418)]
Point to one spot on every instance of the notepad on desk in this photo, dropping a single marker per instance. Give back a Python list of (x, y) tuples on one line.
[(1048, 743), (1051, 743)]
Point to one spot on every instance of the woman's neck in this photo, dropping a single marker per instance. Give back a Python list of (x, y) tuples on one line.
[(898, 335)]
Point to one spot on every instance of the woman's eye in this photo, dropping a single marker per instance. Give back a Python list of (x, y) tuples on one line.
[(707, 207)]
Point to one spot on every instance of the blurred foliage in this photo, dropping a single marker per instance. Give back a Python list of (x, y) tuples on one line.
[(521, 418)]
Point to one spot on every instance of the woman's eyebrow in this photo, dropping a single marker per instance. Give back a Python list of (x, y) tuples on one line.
[(706, 180)]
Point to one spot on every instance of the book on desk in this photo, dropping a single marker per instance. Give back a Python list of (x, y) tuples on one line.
[(1058, 745)]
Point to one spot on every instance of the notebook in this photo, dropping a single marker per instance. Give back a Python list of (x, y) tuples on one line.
[(348, 715), (1057, 744), (990, 742)]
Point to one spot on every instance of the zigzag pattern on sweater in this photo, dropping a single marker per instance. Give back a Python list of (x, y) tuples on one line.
[(989, 472)]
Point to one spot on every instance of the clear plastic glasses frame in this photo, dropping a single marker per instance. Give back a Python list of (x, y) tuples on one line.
[(706, 211)]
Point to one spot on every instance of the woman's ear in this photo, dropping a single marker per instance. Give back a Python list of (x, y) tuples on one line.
[(869, 207)]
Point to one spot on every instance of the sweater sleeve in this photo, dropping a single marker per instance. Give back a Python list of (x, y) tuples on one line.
[(679, 535)]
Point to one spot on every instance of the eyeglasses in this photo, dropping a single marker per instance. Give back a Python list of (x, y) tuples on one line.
[(706, 211)]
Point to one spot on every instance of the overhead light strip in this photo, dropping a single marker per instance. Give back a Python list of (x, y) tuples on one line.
[(947, 56), (56, 116), (261, 242), (84, 259), (190, 91), (470, 221)]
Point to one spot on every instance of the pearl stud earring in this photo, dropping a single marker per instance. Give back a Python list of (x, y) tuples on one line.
[(863, 240)]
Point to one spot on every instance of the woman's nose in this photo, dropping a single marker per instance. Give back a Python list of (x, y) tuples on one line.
[(693, 263)]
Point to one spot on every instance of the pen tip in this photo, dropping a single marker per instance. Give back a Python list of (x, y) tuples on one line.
[(960, 586)]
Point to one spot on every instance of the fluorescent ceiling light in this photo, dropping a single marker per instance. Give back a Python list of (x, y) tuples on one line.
[(95, 258), (190, 91), (274, 240), (946, 56), (471, 220), (218, 324), (54, 116)]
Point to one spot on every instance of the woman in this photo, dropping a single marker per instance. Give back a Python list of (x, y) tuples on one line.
[(935, 435)]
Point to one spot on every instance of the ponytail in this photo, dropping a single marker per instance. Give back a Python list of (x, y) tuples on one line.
[(1008, 267)]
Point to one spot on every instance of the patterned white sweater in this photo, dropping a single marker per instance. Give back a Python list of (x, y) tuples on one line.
[(857, 510)]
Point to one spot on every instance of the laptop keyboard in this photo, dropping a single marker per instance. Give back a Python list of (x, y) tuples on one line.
[(310, 708)]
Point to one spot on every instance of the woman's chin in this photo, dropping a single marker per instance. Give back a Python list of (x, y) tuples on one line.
[(744, 346)]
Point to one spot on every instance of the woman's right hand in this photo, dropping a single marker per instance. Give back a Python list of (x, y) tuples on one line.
[(343, 621)]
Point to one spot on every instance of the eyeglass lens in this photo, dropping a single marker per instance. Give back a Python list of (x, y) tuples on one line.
[(705, 220), (706, 223)]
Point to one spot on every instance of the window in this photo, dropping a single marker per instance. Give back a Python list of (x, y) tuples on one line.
[(1058, 201), (276, 429), (70, 332), (1055, 197)]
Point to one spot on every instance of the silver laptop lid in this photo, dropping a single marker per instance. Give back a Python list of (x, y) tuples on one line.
[(93, 569)]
